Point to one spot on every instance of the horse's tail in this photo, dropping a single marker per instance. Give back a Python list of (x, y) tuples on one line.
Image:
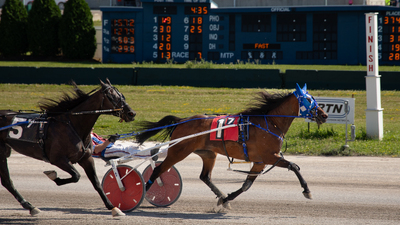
[(152, 128)]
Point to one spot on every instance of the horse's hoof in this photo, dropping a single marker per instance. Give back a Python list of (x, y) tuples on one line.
[(220, 201), (227, 205), (51, 174), (117, 212), (34, 211), (307, 195)]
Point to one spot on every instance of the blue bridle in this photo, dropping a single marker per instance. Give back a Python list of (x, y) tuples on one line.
[(307, 103)]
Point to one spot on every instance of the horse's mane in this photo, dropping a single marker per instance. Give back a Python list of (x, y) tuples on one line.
[(265, 102), (66, 102)]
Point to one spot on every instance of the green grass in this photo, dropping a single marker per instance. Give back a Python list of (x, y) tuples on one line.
[(193, 65), (154, 102)]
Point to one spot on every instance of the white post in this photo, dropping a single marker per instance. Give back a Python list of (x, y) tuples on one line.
[(374, 112)]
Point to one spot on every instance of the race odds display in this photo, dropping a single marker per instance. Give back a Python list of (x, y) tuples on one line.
[(180, 30)]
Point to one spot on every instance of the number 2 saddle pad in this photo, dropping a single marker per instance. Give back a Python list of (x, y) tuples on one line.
[(228, 134)]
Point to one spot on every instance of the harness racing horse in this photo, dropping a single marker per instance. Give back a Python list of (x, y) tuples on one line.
[(64, 136), (269, 120)]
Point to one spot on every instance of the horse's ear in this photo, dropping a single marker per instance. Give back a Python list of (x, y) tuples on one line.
[(298, 90), (108, 81), (305, 88), (72, 82), (102, 83)]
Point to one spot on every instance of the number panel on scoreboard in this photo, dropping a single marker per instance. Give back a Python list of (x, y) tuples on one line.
[(196, 10), (194, 19), (123, 36), (164, 33), (390, 37)]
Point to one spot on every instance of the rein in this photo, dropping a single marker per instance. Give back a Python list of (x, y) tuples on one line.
[(176, 124), (103, 111)]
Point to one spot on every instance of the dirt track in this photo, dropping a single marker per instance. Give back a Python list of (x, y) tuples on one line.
[(346, 190)]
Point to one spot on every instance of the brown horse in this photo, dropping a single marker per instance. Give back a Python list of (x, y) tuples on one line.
[(60, 136), (269, 120)]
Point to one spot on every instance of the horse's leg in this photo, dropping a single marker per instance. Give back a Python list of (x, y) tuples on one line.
[(8, 184), (296, 169), (88, 165), (67, 166), (255, 170), (168, 162), (209, 158)]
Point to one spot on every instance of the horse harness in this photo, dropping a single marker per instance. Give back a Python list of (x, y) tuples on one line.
[(32, 128), (114, 101), (243, 124)]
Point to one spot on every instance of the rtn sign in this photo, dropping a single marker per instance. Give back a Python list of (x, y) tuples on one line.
[(335, 108)]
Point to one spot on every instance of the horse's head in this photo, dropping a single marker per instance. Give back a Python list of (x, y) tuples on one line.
[(117, 101), (308, 105)]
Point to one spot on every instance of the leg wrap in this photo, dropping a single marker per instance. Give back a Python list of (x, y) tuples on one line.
[(26, 205), (148, 184), (293, 166), (213, 188), (247, 184)]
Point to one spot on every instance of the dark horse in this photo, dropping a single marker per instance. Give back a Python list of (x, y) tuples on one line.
[(63, 136), (269, 120)]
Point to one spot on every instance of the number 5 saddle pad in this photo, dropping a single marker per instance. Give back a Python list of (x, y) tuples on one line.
[(32, 131)]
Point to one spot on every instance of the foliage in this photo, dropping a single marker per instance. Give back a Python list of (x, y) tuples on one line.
[(77, 33), (281, 67), (319, 133), (13, 24), (43, 22)]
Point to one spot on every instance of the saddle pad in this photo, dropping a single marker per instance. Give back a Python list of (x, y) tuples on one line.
[(229, 134), (27, 132)]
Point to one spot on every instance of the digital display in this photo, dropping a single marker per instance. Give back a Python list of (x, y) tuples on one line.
[(164, 10), (324, 38), (196, 10), (195, 37), (261, 46), (291, 28), (256, 23), (181, 30), (164, 37), (391, 38), (123, 36)]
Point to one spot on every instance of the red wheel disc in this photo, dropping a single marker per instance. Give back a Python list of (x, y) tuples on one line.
[(170, 190), (133, 195)]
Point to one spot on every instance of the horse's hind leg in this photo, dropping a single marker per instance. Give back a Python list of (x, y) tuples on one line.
[(209, 158), (254, 172), (88, 165), (7, 183)]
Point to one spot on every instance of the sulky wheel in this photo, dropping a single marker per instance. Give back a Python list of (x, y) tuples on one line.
[(133, 195), (170, 190)]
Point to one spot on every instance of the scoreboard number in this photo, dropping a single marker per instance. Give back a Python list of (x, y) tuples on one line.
[(164, 37), (123, 36), (390, 38)]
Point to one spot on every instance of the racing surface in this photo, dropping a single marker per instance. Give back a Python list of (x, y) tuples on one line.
[(346, 190)]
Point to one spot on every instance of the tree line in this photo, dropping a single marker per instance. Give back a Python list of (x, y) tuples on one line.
[(44, 32)]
